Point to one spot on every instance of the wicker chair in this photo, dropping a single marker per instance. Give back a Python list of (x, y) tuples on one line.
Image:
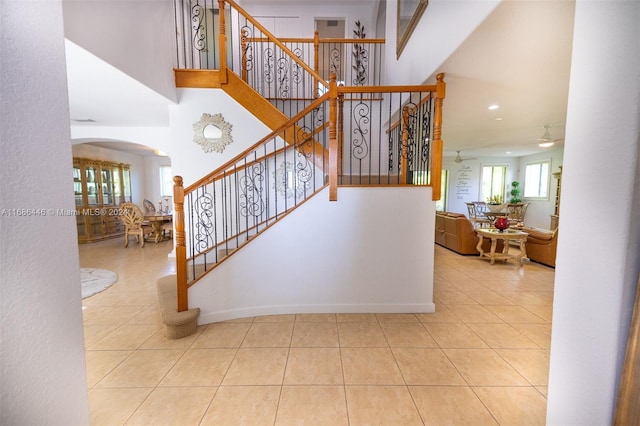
[(517, 211), (149, 208), (133, 218)]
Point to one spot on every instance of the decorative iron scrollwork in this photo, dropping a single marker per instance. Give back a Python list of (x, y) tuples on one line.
[(202, 225), (251, 187), (199, 31), (361, 119)]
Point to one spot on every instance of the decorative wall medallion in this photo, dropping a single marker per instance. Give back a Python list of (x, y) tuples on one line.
[(288, 182), (212, 133)]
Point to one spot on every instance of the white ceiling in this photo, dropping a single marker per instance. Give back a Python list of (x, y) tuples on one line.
[(518, 58)]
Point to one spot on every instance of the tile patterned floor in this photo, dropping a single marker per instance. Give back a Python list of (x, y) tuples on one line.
[(481, 359)]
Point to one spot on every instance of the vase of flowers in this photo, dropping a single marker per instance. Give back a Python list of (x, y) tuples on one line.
[(496, 204)]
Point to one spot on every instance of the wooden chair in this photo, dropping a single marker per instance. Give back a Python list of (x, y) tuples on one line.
[(133, 218), (476, 214), (517, 211), (149, 208)]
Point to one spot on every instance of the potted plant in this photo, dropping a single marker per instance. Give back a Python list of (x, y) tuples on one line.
[(515, 192)]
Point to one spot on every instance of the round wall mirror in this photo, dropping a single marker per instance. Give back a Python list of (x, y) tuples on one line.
[(212, 133)]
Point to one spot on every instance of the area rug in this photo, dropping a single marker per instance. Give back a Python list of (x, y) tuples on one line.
[(96, 280)]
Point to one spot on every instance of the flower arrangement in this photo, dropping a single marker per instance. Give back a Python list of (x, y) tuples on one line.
[(495, 199)]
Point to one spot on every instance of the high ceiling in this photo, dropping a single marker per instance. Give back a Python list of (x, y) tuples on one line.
[(518, 58)]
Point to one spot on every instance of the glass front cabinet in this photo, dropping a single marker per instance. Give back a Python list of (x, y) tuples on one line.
[(99, 188)]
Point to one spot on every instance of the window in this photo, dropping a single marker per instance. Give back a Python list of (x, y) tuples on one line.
[(424, 178), (536, 180), (493, 182), (166, 181)]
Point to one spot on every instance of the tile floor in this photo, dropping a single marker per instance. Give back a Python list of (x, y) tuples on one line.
[(481, 359)]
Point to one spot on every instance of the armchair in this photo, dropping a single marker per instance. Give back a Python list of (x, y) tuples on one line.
[(541, 245)]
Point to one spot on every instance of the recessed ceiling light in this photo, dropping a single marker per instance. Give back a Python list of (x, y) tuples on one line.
[(494, 106), (545, 144), (508, 152), (498, 118)]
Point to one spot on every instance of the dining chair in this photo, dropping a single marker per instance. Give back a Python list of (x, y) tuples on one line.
[(148, 207), (133, 219)]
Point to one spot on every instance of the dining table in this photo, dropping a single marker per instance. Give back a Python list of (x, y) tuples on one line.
[(156, 220)]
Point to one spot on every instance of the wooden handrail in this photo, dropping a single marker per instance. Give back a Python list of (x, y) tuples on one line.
[(333, 139), (273, 39)]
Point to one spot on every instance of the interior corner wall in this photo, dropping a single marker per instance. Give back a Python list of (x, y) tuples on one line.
[(444, 25), (137, 37), (598, 258), (42, 374)]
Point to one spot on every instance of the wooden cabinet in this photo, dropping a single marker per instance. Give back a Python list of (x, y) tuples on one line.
[(99, 188)]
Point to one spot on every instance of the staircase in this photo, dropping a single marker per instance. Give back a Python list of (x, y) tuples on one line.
[(325, 135)]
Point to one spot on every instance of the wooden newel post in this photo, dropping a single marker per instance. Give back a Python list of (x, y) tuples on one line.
[(222, 44), (333, 140), (436, 149), (181, 245), (316, 61)]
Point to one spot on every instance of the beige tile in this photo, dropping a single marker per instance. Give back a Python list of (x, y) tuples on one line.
[(502, 336), (315, 334), (532, 364), (110, 314), (313, 366), (381, 405), (426, 367), (114, 406), (257, 366), (543, 311), (515, 314), (539, 333), (450, 405), (276, 318), (150, 315), (316, 318), (126, 337), (453, 297), (141, 369), (312, 405), (454, 335), (222, 335), (100, 363), (408, 335), (356, 318), (173, 406), (159, 341), (484, 367), (529, 298), (442, 314), (93, 333), (474, 314), (397, 317), (514, 405), (489, 297), (370, 366), (243, 405), (361, 334), (200, 367), (269, 335)]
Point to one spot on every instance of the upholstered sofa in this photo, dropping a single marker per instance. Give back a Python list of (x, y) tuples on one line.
[(541, 245), (456, 232)]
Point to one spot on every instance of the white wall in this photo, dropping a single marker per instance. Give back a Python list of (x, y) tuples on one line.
[(444, 25), (137, 37), (598, 259), (43, 374), (539, 211), (371, 251), (187, 157)]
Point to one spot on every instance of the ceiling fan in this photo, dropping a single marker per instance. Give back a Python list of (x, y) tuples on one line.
[(459, 159), (546, 139)]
